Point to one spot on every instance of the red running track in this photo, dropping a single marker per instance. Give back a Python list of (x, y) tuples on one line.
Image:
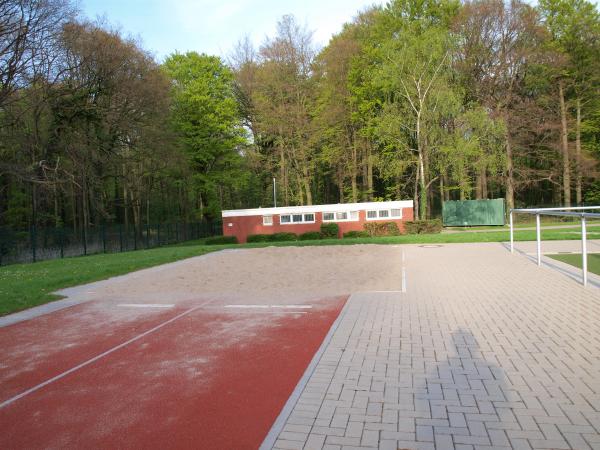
[(213, 378)]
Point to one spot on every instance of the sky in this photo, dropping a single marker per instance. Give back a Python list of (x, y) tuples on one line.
[(215, 26)]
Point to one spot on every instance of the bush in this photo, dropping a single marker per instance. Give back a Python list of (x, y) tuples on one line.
[(356, 234), (382, 229), (423, 226), (330, 230), (218, 240), (276, 237), (310, 236), (258, 238)]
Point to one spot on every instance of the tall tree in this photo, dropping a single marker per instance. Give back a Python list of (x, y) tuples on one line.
[(575, 29), (497, 44), (206, 115), (283, 102)]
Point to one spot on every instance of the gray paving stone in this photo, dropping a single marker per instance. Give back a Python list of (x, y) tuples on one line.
[(484, 350), (314, 442)]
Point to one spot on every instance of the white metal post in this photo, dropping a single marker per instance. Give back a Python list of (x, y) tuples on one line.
[(512, 246), (539, 239), (584, 250)]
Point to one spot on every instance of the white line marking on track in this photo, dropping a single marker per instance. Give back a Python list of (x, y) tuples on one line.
[(270, 306), (101, 355), (378, 292), (262, 311), (145, 305)]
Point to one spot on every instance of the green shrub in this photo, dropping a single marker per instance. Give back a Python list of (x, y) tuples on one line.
[(330, 230), (276, 237), (218, 240), (310, 236), (355, 234), (423, 226), (392, 229), (382, 229), (258, 238)]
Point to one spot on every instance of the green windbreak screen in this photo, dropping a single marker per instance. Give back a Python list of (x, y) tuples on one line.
[(473, 212)]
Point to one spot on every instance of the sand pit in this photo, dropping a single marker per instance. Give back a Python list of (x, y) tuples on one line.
[(274, 274)]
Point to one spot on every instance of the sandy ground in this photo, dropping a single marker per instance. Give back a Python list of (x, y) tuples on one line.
[(273, 274)]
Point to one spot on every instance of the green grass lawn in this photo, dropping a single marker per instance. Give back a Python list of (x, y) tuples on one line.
[(574, 259), (25, 285)]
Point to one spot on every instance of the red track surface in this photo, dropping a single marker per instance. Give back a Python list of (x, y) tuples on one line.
[(213, 379)]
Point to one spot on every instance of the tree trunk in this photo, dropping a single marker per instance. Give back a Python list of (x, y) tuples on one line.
[(306, 182), (483, 179), (74, 207), (416, 195), (201, 206), (369, 173), (284, 182), (55, 195), (564, 147), (423, 189), (579, 168), (510, 186), (365, 173), (481, 184), (354, 174), (125, 201)]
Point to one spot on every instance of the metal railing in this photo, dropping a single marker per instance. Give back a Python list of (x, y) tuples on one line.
[(576, 211)]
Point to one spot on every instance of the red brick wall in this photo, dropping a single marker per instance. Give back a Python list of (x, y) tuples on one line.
[(243, 226)]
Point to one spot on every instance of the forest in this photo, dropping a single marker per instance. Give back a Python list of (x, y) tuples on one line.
[(430, 100)]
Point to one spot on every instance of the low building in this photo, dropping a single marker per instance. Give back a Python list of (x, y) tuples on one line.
[(301, 219)]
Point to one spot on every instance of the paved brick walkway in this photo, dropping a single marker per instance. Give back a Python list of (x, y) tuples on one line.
[(484, 350)]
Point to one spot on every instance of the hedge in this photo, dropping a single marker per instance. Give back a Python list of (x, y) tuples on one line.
[(382, 229), (310, 236), (276, 237), (355, 234), (423, 226), (330, 230), (217, 240), (258, 238)]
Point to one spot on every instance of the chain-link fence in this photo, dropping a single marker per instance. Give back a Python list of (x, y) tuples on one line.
[(37, 244)]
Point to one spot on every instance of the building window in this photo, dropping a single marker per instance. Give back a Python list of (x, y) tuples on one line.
[(285, 219), (268, 220), (382, 214), (341, 216)]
